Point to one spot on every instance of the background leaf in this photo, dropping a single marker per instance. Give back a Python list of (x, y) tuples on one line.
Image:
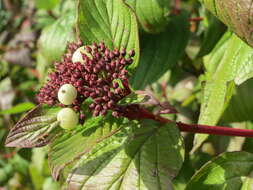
[(35, 129), (231, 171), (22, 107), (46, 4), (134, 98), (240, 107), (153, 15), (212, 34), (145, 158), (161, 52), (110, 21), (224, 65), (237, 15), (54, 38)]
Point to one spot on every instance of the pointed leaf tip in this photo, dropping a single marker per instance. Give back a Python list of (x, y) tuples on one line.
[(35, 129)]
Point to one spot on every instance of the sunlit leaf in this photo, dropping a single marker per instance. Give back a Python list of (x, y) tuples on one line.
[(110, 21), (54, 38), (141, 158), (230, 171), (22, 107), (68, 147), (46, 4), (224, 65)]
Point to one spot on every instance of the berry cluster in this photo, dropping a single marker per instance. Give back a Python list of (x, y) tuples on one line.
[(97, 76)]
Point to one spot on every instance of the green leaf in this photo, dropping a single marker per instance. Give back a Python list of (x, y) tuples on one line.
[(153, 15), (245, 72), (110, 21), (19, 108), (141, 158), (46, 4), (42, 66), (224, 65), (230, 171), (19, 164), (68, 147), (212, 60), (134, 98), (36, 177), (6, 172), (241, 106), (184, 175), (161, 52), (235, 14), (49, 183), (212, 34), (4, 68), (36, 170), (35, 129), (54, 38)]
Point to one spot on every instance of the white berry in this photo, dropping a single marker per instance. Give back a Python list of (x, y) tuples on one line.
[(68, 118), (67, 94), (77, 55)]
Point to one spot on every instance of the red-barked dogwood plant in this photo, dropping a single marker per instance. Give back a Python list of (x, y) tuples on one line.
[(96, 76), (91, 81)]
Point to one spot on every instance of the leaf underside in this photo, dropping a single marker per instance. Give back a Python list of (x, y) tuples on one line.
[(236, 14), (35, 129)]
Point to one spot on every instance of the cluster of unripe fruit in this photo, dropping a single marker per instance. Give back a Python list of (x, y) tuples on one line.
[(84, 72)]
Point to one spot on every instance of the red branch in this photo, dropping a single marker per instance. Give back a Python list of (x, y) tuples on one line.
[(195, 128), (215, 130), (178, 5), (164, 89), (8, 155), (196, 19)]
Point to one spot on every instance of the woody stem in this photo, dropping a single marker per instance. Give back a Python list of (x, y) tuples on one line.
[(196, 128)]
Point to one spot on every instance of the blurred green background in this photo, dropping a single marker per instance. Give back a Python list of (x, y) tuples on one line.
[(33, 33), (24, 25)]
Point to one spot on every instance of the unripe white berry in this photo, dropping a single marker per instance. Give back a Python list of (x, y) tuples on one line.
[(67, 94), (77, 55), (68, 118)]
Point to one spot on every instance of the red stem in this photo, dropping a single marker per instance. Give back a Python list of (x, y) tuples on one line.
[(196, 19), (8, 155), (164, 89), (195, 128), (177, 4), (215, 130)]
